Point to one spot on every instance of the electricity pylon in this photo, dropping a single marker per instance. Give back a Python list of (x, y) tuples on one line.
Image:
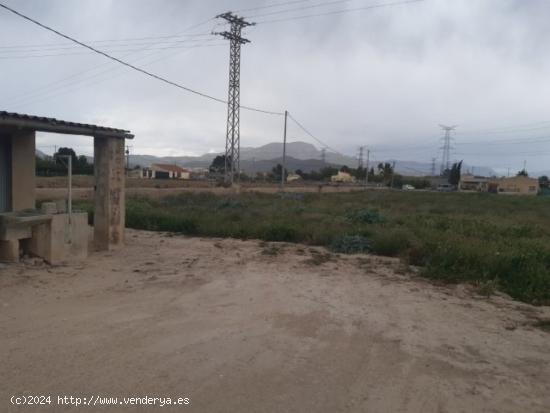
[(360, 157), (446, 158), (232, 137)]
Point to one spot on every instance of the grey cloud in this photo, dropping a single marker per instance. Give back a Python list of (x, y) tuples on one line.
[(383, 78)]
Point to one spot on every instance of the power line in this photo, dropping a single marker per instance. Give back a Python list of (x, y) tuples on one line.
[(313, 136), (63, 88), (114, 41), (269, 6), (307, 16), (131, 66), (312, 6), (510, 127), (426, 145), (61, 82), (511, 141), (124, 50), (113, 47)]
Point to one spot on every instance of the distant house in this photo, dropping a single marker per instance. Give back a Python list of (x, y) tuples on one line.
[(517, 185), (342, 177), (471, 183), (165, 171), (293, 177)]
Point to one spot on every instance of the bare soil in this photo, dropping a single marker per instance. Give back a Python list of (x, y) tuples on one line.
[(49, 188), (245, 326)]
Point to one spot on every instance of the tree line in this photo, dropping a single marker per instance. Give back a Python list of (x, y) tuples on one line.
[(57, 164)]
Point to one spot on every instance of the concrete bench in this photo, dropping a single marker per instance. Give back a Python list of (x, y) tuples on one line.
[(50, 237)]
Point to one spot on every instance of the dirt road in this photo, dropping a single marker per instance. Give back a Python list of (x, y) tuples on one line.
[(250, 327)]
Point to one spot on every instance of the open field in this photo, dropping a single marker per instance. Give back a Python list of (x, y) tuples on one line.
[(273, 327), (496, 242), (48, 188)]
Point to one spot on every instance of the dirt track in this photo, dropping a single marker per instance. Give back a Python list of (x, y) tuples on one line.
[(245, 327)]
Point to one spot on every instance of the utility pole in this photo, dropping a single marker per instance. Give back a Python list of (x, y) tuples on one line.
[(433, 166), (367, 169), (127, 158), (232, 137), (392, 174), (360, 157), (69, 165), (324, 155), (284, 155), (446, 159)]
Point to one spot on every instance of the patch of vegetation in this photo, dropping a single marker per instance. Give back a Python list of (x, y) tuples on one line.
[(487, 288), (351, 244), (280, 232), (367, 216), (454, 237), (543, 325), (230, 203), (140, 219), (391, 243)]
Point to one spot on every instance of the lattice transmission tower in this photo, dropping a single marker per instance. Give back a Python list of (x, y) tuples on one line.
[(232, 137), (360, 158), (324, 155), (446, 158), (433, 166)]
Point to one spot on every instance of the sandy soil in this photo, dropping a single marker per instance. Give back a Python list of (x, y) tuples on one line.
[(249, 327)]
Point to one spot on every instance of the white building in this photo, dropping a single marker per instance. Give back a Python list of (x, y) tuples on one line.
[(164, 171)]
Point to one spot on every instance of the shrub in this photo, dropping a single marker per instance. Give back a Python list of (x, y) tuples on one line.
[(390, 242), (230, 203), (367, 216), (280, 232), (351, 244), (158, 221)]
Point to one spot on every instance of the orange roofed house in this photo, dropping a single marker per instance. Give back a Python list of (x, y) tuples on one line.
[(165, 171)]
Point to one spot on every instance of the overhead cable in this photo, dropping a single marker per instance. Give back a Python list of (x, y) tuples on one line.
[(131, 66)]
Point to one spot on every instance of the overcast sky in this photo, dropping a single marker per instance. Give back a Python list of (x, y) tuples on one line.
[(383, 77)]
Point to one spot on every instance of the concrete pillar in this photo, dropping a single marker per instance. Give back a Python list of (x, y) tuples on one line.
[(109, 213), (9, 251), (23, 170)]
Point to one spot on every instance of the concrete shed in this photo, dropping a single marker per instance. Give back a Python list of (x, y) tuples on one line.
[(20, 222)]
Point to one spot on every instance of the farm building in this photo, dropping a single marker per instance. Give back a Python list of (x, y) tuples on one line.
[(55, 232), (472, 183), (165, 171), (342, 177), (517, 185)]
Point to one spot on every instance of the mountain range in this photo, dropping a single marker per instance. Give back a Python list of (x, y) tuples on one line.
[(299, 155)]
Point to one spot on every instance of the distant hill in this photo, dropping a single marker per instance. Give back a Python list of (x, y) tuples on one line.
[(292, 164), (300, 155), (42, 155)]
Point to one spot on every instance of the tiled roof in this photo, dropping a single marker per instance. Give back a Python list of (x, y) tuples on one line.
[(168, 168), (40, 123)]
